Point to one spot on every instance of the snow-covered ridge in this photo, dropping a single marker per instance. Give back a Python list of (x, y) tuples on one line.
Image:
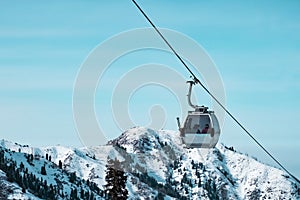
[(157, 165)]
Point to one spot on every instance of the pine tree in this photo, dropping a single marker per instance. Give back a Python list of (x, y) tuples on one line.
[(72, 177), (21, 166), (73, 194), (212, 190), (60, 164), (43, 170), (81, 193), (115, 187), (92, 196)]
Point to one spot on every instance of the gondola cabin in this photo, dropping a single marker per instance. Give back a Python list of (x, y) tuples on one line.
[(201, 127)]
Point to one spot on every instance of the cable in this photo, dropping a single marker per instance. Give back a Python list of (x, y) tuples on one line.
[(196, 80), (165, 40)]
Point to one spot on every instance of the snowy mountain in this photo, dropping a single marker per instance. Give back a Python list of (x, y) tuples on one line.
[(154, 165)]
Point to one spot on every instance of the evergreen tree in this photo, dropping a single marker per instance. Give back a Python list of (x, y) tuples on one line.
[(72, 177), (21, 165), (43, 170), (60, 164), (212, 190), (81, 193), (92, 196), (87, 195), (73, 194), (115, 187)]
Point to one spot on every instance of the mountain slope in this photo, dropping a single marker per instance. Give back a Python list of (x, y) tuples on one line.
[(157, 166), (10, 190)]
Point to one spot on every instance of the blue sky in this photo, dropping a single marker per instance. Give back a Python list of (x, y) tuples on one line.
[(255, 46)]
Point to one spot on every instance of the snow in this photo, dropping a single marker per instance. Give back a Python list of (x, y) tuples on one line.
[(238, 176), (17, 190), (251, 174), (19, 195), (53, 173)]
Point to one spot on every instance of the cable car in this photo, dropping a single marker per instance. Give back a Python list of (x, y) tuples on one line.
[(201, 127)]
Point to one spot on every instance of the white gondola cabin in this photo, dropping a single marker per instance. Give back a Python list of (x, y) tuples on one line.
[(201, 128)]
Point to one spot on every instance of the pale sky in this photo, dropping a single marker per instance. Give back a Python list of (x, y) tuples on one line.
[(255, 46)]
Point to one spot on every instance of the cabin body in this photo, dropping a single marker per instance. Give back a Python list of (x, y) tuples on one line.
[(201, 129)]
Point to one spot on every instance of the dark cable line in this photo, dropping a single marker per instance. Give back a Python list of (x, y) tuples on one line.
[(196, 80), (165, 40)]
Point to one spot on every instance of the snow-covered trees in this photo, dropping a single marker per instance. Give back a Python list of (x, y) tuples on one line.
[(28, 177), (115, 187)]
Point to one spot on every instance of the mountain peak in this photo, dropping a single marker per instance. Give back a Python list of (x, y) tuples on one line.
[(141, 139)]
